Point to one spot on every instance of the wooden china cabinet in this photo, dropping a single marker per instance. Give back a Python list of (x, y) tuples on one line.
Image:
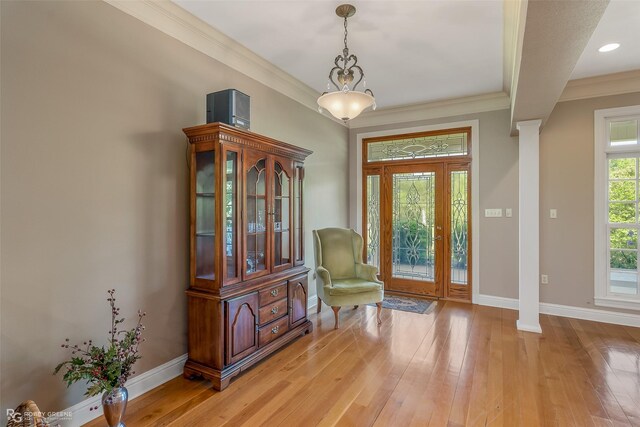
[(248, 283)]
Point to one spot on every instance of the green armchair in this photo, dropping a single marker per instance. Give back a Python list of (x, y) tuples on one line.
[(341, 276)]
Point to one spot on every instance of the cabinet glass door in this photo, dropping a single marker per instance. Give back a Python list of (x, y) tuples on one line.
[(256, 217), (281, 216), (231, 216), (298, 235), (204, 215)]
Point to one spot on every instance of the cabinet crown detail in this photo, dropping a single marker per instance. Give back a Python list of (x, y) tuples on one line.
[(247, 284), (220, 132)]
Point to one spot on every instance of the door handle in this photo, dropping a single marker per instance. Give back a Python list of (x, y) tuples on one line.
[(438, 237)]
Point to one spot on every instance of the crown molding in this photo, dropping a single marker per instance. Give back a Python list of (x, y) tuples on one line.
[(433, 110), (176, 22), (608, 84)]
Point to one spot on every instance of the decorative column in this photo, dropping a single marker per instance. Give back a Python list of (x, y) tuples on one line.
[(529, 225)]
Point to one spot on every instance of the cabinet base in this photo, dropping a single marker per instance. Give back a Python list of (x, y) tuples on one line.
[(220, 378)]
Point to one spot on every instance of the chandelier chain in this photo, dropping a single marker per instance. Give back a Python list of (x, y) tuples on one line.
[(345, 33)]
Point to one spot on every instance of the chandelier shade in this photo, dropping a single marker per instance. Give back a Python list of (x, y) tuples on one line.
[(346, 103)]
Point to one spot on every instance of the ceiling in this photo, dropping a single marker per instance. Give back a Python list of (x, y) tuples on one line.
[(411, 51), (619, 24)]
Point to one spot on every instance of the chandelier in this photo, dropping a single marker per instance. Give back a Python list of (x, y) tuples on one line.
[(346, 103)]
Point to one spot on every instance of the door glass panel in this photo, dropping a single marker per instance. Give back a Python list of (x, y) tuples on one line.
[(281, 217), (297, 213), (373, 220), (459, 227), (205, 219), (230, 211), (256, 217), (413, 251)]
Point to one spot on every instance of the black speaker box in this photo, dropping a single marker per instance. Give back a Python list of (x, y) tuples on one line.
[(229, 106)]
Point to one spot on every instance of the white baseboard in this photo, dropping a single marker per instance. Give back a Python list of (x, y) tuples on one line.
[(313, 301), (605, 316), (500, 302), (80, 413)]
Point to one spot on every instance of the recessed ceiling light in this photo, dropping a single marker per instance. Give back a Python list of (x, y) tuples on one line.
[(609, 47)]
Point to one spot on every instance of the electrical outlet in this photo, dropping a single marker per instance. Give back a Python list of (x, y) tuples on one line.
[(508, 212), (545, 279)]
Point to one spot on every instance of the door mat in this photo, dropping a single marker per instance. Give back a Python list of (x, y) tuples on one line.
[(412, 305)]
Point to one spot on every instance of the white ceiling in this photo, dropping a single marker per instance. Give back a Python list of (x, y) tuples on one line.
[(411, 51), (619, 24)]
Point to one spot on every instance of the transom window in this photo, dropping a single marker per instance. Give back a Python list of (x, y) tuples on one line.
[(617, 207), (418, 146)]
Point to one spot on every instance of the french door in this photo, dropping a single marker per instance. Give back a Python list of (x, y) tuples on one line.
[(417, 225)]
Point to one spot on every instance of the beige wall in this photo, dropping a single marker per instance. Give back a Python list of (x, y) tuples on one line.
[(566, 184), (498, 179), (94, 182)]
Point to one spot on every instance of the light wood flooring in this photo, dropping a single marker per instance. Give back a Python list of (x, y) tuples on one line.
[(459, 365)]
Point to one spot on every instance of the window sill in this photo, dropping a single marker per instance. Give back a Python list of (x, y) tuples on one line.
[(615, 302)]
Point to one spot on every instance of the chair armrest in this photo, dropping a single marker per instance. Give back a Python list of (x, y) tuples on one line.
[(367, 272), (323, 274)]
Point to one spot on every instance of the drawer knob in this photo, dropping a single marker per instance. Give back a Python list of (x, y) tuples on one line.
[(275, 329), (274, 293), (274, 310)]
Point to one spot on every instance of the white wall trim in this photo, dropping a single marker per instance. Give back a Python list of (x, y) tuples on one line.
[(609, 84), (432, 110), (176, 22), (136, 386), (595, 315), (355, 186)]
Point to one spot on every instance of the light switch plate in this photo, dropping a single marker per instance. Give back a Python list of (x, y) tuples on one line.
[(508, 213), (493, 213), (553, 213)]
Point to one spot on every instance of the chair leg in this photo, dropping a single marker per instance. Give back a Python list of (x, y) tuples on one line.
[(319, 305), (335, 313), (355, 306), (379, 310)]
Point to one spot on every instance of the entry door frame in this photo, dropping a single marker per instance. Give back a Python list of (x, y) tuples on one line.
[(356, 207)]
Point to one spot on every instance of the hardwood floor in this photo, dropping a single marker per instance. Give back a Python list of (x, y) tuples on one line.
[(459, 365)]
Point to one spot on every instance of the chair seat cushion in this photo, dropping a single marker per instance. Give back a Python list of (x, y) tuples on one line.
[(353, 286)]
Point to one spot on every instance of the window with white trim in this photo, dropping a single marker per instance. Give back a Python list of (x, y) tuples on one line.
[(617, 207)]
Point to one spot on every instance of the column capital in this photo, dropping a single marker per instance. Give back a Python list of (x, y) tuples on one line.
[(529, 123)]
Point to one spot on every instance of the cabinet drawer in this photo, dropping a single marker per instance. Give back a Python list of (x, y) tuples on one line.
[(273, 311), (273, 330), (272, 294)]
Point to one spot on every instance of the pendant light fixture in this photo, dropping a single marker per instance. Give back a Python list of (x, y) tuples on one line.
[(346, 103)]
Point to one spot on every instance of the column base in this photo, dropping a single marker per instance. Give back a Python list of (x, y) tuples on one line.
[(528, 327)]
